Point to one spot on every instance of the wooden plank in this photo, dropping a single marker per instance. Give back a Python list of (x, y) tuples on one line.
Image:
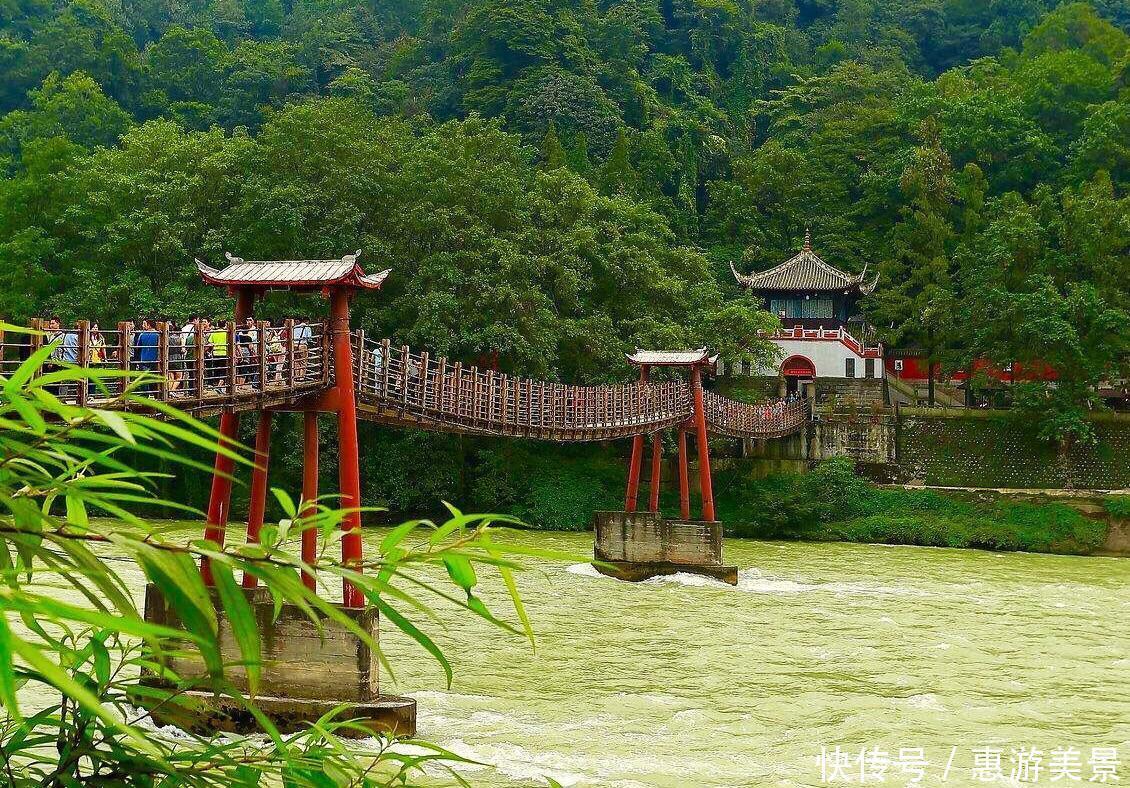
[(441, 384), (457, 392), (504, 416), (405, 353), (198, 361), (231, 359), (490, 397), (261, 329), (386, 354), (163, 361), (288, 327), (83, 357), (125, 343)]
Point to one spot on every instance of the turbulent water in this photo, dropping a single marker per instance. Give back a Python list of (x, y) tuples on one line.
[(684, 681)]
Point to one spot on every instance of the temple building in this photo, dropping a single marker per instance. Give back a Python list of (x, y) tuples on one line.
[(824, 339)]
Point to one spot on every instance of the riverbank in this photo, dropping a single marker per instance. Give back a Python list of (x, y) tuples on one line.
[(833, 504)]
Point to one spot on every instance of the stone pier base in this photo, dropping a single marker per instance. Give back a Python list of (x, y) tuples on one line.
[(637, 545), (305, 672)]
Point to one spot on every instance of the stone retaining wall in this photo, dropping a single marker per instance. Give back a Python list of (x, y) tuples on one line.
[(972, 448)]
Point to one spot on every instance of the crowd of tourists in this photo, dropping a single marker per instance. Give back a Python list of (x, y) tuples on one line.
[(254, 352)]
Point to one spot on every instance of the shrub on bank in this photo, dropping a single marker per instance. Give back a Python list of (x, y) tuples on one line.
[(832, 503)]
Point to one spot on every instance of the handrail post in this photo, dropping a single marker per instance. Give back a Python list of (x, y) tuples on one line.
[(441, 385), (83, 358), (423, 381), (125, 329), (198, 360), (231, 359), (163, 361), (288, 327), (261, 329), (327, 336)]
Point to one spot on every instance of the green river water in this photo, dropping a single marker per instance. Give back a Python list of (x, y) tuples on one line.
[(684, 681)]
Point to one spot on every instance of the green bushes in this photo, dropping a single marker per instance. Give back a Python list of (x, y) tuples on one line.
[(549, 486), (834, 504)]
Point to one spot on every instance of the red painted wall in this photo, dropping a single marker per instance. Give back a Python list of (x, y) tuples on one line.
[(915, 369)]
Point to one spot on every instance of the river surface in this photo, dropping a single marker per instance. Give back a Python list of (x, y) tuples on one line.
[(684, 681), (687, 682)]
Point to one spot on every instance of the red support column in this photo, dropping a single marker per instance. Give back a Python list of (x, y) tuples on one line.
[(631, 497), (219, 500), (703, 447), (309, 490), (656, 470), (258, 505), (349, 471), (684, 478)]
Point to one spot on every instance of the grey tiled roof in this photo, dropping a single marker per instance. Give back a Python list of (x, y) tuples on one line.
[(806, 271), (660, 358), (292, 272)]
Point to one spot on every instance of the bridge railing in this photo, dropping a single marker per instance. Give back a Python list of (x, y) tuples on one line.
[(207, 367), (414, 384), (752, 420)]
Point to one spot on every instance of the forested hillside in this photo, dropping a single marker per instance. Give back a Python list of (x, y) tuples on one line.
[(556, 181)]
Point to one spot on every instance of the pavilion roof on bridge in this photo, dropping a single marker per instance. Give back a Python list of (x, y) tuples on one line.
[(671, 358), (806, 272), (294, 274)]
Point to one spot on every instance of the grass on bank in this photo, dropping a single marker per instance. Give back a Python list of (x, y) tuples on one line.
[(833, 504), (559, 488)]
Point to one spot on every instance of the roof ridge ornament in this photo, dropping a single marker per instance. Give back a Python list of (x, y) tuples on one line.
[(808, 239), (231, 258)]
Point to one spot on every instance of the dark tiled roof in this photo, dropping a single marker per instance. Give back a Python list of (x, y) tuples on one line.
[(291, 273), (806, 271)]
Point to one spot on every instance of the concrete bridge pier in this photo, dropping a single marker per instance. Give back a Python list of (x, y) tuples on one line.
[(305, 673), (637, 545)]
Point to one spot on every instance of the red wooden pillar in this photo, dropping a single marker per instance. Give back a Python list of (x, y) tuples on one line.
[(349, 471), (656, 460), (632, 495), (703, 447), (219, 501), (684, 478), (309, 490), (258, 505)]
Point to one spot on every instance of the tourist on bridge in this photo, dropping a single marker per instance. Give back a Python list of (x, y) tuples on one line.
[(146, 351), (276, 354), (96, 346), (65, 352), (302, 336), (247, 351), (216, 357)]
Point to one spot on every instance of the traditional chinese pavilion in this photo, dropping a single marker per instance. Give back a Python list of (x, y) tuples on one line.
[(823, 334)]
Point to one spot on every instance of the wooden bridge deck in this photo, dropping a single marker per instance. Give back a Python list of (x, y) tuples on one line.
[(394, 385)]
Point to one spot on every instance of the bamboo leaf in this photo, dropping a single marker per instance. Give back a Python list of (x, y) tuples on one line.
[(244, 626)]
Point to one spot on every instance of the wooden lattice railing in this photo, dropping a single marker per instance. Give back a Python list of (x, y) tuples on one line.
[(222, 366), (215, 366), (774, 419), (397, 384)]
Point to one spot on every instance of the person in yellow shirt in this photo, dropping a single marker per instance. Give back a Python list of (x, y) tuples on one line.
[(217, 359)]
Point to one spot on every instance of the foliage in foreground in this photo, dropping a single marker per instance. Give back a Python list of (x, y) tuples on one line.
[(832, 503), (69, 670)]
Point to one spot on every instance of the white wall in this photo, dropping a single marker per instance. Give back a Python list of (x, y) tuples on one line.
[(829, 356)]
